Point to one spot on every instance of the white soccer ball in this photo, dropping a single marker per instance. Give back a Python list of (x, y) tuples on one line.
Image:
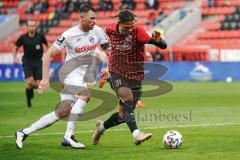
[(172, 139), (229, 79)]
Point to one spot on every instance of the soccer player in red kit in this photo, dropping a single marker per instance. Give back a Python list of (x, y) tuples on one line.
[(125, 66)]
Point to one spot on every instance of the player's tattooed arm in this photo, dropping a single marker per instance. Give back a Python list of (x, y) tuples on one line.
[(157, 40)]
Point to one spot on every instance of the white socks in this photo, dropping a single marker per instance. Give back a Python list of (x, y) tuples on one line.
[(76, 110), (135, 133), (43, 122), (101, 127), (51, 118)]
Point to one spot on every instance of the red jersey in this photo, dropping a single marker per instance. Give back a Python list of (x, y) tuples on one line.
[(127, 52)]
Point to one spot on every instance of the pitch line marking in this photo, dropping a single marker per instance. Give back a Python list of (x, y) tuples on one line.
[(122, 129)]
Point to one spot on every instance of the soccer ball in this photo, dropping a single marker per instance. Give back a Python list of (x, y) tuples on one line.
[(172, 139)]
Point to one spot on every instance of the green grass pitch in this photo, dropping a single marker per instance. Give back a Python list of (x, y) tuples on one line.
[(206, 114)]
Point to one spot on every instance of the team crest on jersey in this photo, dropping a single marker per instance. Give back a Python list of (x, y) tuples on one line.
[(78, 39), (91, 39), (129, 38)]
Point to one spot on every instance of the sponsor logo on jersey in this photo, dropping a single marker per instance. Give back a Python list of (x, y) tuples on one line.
[(85, 48)]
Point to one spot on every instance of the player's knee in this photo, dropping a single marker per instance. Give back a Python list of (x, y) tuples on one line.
[(63, 109), (85, 97), (121, 114), (121, 111), (62, 113), (29, 82), (125, 94)]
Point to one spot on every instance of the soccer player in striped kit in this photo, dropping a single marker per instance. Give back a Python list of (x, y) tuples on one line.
[(125, 66)]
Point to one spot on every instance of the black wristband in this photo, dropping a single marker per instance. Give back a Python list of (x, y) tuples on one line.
[(105, 46), (161, 44)]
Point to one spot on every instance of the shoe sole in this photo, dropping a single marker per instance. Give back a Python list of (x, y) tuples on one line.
[(140, 142), (69, 146)]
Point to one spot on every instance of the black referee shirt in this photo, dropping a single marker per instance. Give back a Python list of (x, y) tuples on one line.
[(32, 46)]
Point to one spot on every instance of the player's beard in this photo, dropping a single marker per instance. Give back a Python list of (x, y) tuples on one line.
[(91, 27)]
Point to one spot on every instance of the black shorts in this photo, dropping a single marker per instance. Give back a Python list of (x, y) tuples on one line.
[(32, 69), (117, 81)]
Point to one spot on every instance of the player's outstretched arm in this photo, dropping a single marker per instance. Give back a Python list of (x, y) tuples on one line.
[(51, 52), (157, 40)]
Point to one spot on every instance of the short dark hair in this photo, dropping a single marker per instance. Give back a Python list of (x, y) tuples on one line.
[(125, 15), (86, 8)]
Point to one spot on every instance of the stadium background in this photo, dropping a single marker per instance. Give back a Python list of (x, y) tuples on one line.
[(204, 52)]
